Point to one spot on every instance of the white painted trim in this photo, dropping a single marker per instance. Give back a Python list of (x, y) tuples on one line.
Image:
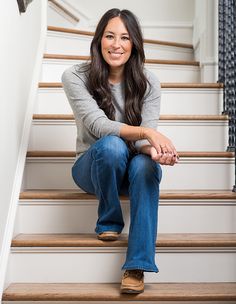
[(166, 122), (75, 11), (6, 244), (162, 202), (62, 13), (94, 250), (184, 160)]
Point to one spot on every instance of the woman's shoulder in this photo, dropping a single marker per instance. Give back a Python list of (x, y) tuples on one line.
[(78, 71), (151, 77), (153, 81)]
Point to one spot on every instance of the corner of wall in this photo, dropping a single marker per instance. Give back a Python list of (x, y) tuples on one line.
[(16, 186)]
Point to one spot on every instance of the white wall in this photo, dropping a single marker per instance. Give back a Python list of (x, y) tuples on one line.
[(160, 19), (205, 38), (21, 46)]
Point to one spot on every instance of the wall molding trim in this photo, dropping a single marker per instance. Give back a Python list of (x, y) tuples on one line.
[(7, 239)]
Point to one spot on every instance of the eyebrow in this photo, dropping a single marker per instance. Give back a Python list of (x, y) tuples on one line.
[(110, 32)]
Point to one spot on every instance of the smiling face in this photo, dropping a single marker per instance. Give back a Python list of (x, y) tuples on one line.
[(116, 45)]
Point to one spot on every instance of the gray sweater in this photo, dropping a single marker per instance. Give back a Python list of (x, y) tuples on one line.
[(92, 123)]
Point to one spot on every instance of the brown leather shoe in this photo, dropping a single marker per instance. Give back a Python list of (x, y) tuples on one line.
[(132, 281), (108, 236)]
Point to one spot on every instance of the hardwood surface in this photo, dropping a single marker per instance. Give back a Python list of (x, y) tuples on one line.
[(181, 154), (90, 240), (165, 195), (167, 85), (111, 292), (162, 117)]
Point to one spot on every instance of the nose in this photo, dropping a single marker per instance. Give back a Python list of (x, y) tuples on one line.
[(116, 43)]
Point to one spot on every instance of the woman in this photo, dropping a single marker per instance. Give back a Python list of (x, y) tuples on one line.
[(116, 104)]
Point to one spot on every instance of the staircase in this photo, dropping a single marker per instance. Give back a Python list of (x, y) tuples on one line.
[(55, 255)]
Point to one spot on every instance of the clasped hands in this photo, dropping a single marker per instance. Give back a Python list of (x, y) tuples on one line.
[(160, 149)]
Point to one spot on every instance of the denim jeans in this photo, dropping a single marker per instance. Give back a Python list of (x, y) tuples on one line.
[(107, 170)]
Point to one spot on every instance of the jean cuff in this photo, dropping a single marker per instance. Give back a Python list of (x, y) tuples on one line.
[(141, 267)]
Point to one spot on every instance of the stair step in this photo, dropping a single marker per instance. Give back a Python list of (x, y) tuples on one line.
[(178, 101), (66, 41), (58, 211), (163, 85), (175, 292), (166, 70), (58, 132), (88, 33), (164, 195), (187, 240), (212, 170)]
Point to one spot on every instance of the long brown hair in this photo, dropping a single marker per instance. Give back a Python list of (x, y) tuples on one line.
[(135, 83)]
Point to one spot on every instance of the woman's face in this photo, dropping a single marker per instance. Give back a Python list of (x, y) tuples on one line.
[(116, 45)]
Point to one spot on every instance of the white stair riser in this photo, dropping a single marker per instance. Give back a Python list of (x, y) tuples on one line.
[(53, 69), (94, 265), (173, 101), (71, 44), (47, 216), (186, 135), (189, 174)]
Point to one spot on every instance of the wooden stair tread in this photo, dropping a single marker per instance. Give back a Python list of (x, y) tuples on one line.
[(151, 61), (165, 195), (90, 240), (162, 117), (111, 292), (149, 41), (168, 85), (181, 154)]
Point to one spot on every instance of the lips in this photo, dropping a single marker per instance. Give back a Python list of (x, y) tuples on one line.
[(115, 53)]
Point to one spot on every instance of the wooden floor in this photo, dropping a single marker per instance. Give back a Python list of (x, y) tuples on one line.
[(111, 292), (90, 240)]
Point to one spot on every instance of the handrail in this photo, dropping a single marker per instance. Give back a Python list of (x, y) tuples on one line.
[(227, 62), (64, 10)]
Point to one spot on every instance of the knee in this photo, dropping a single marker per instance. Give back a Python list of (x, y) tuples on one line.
[(144, 167), (112, 149)]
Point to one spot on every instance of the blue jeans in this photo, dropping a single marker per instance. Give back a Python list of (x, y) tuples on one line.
[(107, 170)]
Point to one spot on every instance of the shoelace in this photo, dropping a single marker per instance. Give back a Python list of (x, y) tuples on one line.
[(134, 273)]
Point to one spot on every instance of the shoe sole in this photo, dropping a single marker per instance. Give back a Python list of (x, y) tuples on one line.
[(108, 237), (131, 291)]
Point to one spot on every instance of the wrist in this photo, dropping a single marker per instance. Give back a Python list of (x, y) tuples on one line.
[(143, 133)]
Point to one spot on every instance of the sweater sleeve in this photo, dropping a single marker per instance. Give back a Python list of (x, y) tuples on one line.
[(151, 106), (85, 107)]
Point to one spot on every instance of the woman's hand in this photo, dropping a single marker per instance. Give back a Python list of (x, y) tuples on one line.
[(161, 148), (162, 158)]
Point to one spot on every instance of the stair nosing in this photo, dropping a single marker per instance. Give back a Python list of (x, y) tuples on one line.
[(170, 240), (181, 154), (148, 61), (164, 195), (165, 85), (162, 117)]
